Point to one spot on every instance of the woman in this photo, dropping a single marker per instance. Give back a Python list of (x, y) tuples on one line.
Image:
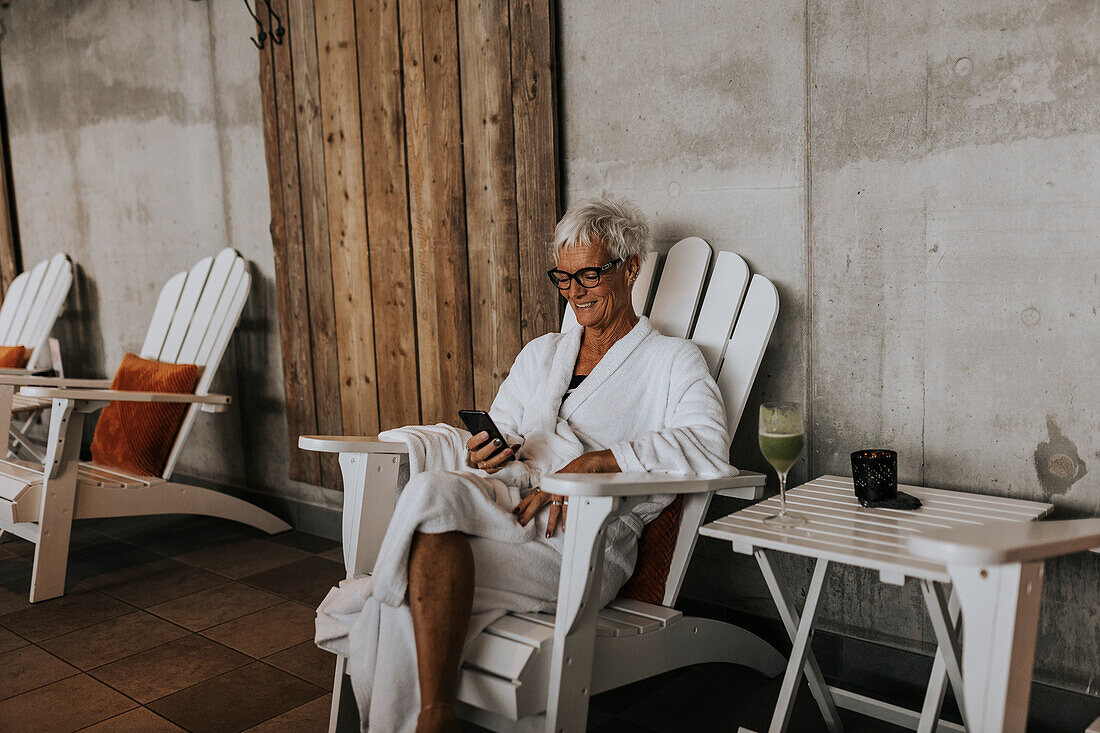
[(466, 546)]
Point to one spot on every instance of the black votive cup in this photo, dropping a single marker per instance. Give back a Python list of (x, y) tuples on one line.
[(875, 475)]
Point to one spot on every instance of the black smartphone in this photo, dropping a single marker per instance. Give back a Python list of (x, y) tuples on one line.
[(478, 421)]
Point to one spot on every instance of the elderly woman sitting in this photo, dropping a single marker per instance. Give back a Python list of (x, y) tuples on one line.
[(469, 544)]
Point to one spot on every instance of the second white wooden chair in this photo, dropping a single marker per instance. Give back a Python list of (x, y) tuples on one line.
[(195, 315), (514, 674)]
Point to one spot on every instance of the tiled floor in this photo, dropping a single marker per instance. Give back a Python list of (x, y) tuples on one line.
[(174, 623)]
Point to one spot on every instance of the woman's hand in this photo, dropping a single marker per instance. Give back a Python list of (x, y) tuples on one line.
[(486, 454), (596, 462)]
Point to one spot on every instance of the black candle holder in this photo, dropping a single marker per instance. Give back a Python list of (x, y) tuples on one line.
[(875, 475)]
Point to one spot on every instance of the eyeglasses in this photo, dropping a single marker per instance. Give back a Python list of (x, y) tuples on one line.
[(586, 277)]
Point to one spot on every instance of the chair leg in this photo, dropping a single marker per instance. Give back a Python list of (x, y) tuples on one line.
[(344, 714), (51, 552)]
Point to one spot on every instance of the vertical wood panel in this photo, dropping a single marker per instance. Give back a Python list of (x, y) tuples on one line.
[(429, 45), (301, 36), (9, 230), (383, 125), (279, 137), (351, 279), (537, 201), (490, 167)]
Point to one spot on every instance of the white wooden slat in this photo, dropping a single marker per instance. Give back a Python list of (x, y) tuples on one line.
[(934, 508), (212, 295), (47, 307), (12, 300), (604, 627), (662, 614), (185, 309), (677, 295), (162, 315), (643, 286), (521, 630), (26, 303), (642, 624), (746, 347), (497, 655), (224, 319), (718, 312), (639, 296)]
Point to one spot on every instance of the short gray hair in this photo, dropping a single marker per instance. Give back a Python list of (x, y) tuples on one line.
[(616, 223)]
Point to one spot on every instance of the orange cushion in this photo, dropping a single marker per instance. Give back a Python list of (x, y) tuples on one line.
[(655, 548), (138, 436), (13, 357)]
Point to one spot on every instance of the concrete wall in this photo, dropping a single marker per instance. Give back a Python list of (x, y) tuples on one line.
[(137, 147), (945, 300)]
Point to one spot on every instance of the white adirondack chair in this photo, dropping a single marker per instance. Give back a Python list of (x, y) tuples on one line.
[(194, 318), (513, 675), (31, 306), (997, 572)]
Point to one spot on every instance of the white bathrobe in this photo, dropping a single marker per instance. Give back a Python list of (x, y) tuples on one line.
[(650, 399)]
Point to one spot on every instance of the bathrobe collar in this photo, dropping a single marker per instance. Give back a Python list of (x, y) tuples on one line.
[(608, 365)]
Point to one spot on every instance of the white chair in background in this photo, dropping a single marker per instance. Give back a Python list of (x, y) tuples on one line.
[(31, 306), (997, 573), (513, 675), (194, 318)]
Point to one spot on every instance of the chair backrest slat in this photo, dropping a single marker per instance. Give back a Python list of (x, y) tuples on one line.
[(45, 309), (643, 286), (681, 284), (162, 316), (26, 302), (185, 310), (229, 281), (202, 321), (12, 300), (736, 374), (718, 312)]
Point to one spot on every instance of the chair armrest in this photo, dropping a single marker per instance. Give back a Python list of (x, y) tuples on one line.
[(644, 484), (62, 382), (22, 372), (1007, 542), (217, 402), (349, 444)]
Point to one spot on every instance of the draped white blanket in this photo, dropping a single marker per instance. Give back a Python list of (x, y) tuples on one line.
[(651, 400)]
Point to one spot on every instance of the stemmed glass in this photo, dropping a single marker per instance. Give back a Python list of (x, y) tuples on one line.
[(781, 439)]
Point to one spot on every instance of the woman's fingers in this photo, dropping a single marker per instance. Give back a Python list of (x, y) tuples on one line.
[(552, 518), (536, 500), (483, 454)]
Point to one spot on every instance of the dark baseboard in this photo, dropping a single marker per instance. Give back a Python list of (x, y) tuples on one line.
[(899, 676)]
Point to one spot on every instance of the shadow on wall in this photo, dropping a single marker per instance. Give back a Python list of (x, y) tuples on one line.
[(75, 329)]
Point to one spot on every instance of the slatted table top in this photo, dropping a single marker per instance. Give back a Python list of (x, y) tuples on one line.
[(839, 529)]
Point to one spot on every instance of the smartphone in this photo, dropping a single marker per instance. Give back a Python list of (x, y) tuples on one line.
[(478, 421)]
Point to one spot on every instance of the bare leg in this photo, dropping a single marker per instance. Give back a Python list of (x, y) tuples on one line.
[(441, 593)]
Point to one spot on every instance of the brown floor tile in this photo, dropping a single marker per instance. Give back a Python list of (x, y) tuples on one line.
[(74, 610), (155, 582), (306, 581), (9, 641), (248, 557), (30, 668), (113, 639), (313, 716), (197, 533), (14, 593), (214, 605), (67, 705), (336, 554), (305, 660), (308, 542), (138, 720), (236, 700), (268, 631), (169, 668)]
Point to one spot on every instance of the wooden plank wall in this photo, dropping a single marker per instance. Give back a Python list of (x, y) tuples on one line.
[(10, 264), (411, 151)]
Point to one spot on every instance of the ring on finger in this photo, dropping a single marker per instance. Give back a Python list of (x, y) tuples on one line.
[(556, 503)]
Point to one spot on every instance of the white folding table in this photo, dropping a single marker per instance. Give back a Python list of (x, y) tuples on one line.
[(840, 530)]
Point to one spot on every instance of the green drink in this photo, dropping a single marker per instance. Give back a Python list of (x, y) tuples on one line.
[(782, 434), (781, 449)]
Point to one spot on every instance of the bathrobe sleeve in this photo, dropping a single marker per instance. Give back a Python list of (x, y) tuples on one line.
[(694, 438), (515, 393)]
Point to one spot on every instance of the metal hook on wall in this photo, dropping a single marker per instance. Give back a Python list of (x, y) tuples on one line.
[(276, 34)]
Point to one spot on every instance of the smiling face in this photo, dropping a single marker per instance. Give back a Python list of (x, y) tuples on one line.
[(606, 303)]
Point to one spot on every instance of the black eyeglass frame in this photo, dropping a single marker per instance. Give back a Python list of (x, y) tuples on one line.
[(596, 272)]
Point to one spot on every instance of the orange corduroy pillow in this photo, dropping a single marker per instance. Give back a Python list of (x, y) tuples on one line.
[(655, 548), (138, 436), (13, 357)]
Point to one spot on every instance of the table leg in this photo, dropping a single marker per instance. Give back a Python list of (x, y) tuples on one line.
[(937, 681), (947, 639), (802, 658)]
